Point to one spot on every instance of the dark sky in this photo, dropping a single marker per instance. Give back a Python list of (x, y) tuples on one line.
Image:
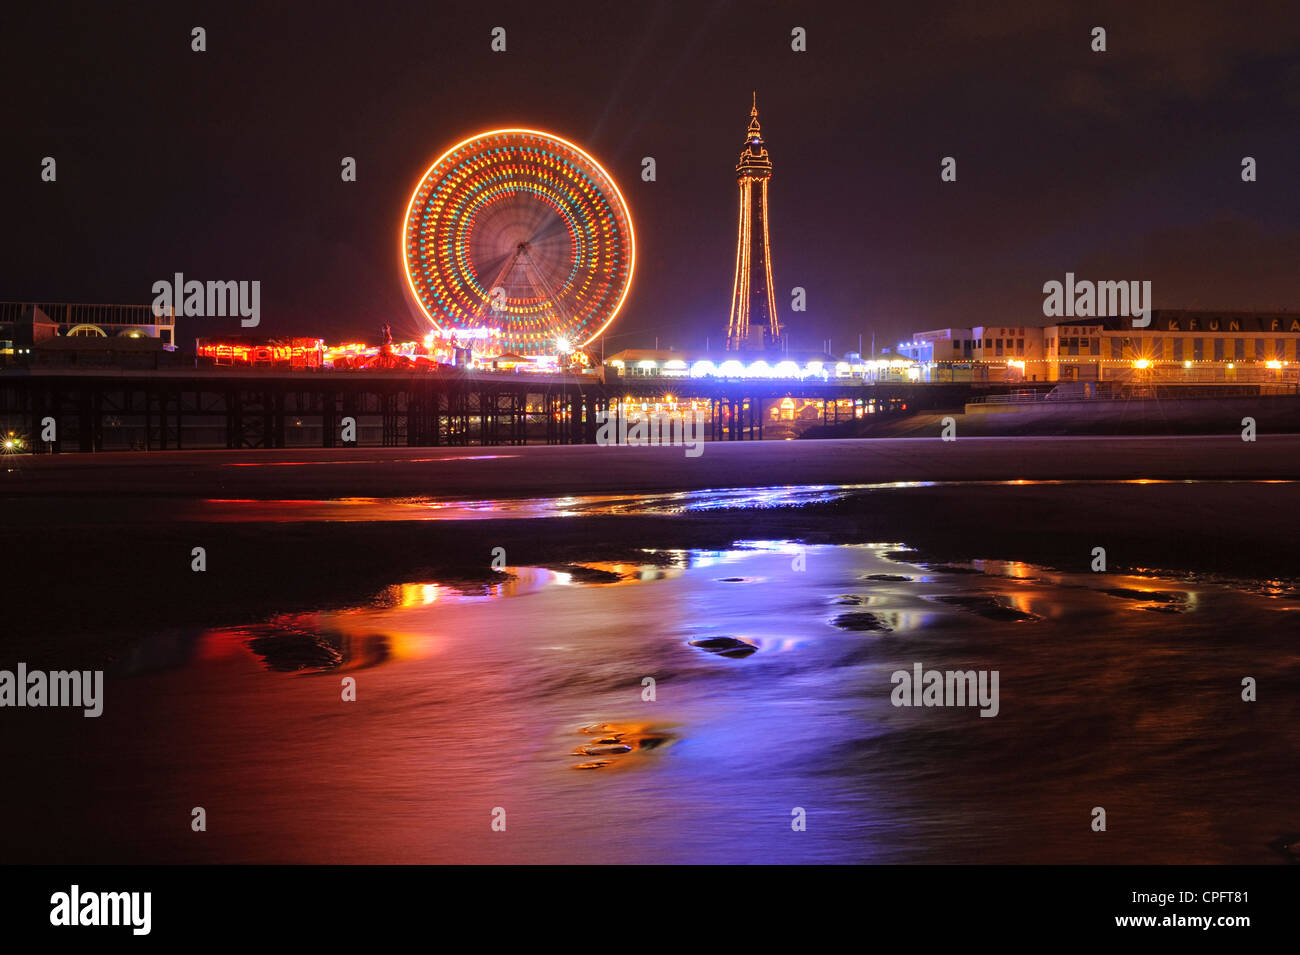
[(225, 164)]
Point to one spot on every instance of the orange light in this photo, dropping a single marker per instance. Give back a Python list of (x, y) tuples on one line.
[(627, 215)]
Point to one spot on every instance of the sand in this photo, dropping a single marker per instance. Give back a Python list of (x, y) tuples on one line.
[(95, 549)]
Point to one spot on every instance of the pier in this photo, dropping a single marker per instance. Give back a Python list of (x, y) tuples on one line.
[(176, 408)]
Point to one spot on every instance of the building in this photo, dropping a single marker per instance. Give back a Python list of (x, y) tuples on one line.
[(940, 352), (753, 322), (65, 333), (981, 353), (666, 363), (1178, 346)]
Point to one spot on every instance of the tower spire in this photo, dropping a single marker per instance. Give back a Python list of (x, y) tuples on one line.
[(752, 290)]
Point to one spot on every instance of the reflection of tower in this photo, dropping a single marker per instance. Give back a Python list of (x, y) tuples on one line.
[(753, 322)]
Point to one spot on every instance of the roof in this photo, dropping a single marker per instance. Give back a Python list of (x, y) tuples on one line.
[(97, 343), (630, 356)]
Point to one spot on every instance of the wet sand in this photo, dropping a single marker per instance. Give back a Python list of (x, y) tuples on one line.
[(505, 471), (1121, 689), (773, 692), (99, 545)]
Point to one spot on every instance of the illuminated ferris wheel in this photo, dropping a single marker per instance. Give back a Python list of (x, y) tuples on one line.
[(519, 231)]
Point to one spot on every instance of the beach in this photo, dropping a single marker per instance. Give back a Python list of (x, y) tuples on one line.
[(499, 611)]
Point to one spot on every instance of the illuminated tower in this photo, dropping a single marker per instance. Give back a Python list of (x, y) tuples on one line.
[(753, 323)]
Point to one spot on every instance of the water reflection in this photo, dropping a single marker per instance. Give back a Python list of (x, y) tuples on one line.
[(769, 689), (677, 502)]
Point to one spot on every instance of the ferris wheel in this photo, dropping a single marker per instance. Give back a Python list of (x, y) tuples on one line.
[(521, 233)]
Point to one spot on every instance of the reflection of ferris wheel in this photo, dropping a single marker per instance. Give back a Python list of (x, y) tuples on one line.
[(520, 231)]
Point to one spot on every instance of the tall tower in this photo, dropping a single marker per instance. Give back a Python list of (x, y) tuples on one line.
[(753, 323)]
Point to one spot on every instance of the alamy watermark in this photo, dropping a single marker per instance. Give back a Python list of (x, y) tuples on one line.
[(922, 687), (1087, 299), (83, 688), (75, 907), (195, 299), (659, 429)]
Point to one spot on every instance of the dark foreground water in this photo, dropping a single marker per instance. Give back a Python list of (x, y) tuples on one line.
[(772, 670)]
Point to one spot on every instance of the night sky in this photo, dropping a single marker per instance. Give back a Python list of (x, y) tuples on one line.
[(225, 164)]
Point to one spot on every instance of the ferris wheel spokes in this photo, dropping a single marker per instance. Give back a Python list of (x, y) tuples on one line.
[(497, 299)]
